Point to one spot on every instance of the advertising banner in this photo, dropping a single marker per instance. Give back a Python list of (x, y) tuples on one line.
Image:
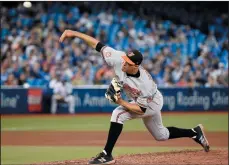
[(92, 100), (195, 99), (175, 99), (35, 100), (13, 101)]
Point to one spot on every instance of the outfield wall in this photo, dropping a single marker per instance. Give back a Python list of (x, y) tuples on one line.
[(90, 99)]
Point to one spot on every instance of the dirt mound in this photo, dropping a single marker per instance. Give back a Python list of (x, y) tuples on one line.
[(183, 157)]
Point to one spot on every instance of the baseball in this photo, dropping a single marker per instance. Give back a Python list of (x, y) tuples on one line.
[(27, 4)]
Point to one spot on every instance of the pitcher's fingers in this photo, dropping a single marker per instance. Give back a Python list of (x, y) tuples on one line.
[(62, 37)]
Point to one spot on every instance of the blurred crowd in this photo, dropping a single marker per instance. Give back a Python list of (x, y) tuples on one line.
[(175, 54)]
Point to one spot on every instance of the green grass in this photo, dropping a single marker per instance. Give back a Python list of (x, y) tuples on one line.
[(35, 154), (212, 122)]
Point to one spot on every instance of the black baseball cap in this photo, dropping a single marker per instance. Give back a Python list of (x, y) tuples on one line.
[(133, 57)]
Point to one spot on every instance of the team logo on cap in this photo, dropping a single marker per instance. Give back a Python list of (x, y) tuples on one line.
[(130, 54)]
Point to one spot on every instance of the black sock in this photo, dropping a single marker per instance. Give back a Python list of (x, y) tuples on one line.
[(114, 132), (180, 132)]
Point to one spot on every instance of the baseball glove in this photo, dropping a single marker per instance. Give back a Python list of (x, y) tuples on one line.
[(114, 90)]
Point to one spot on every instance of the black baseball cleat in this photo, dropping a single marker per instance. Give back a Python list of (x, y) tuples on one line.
[(102, 158), (201, 138)]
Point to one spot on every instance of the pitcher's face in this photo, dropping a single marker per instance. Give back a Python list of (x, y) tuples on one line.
[(128, 68)]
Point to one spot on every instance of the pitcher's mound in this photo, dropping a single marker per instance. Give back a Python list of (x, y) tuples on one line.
[(175, 157)]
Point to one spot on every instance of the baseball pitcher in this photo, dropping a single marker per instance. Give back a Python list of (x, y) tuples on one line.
[(147, 101)]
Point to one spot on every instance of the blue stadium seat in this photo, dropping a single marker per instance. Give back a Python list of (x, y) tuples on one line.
[(152, 51), (4, 32), (166, 24), (125, 43), (191, 48), (44, 19), (173, 47), (200, 38), (114, 31), (224, 57)]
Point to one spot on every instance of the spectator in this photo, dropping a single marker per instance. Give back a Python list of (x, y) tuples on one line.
[(22, 80), (168, 38), (211, 82), (200, 80), (102, 73), (177, 72), (191, 81), (11, 80), (131, 30), (106, 18), (67, 70), (140, 41), (211, 41), (180, 35), (62, 92), (182, 82), (4, 75), (53, 79), (168, 81), (84, 22), (78, 78), (103, 36), (36, 71)]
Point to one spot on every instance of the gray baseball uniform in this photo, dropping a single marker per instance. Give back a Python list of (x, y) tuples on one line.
[(142, 90)]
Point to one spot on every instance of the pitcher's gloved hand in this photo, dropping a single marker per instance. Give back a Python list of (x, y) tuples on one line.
[(114, 90)]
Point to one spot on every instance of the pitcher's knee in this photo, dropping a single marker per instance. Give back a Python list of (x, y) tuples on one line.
[(160, 138), (162, 135), (118, 116)]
